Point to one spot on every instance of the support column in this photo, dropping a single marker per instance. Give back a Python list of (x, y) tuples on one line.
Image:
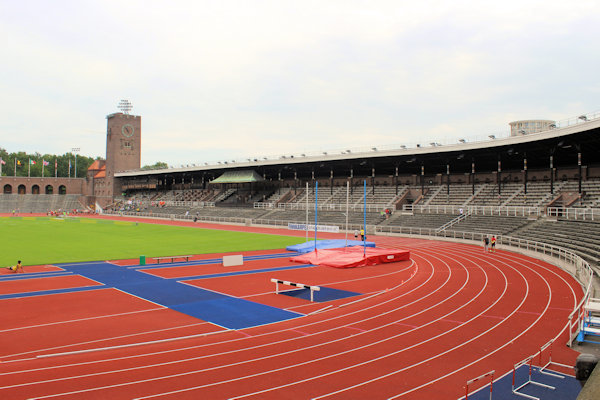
[(448, 180), (473, 176), (551, 174)]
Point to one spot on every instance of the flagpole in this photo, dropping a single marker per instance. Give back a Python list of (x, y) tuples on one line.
[(43, 162), (55, 168), (15, 167), (29, 168)]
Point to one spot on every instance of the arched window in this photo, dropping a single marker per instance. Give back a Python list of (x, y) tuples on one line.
[(62, 189), (7, 189), (49, 189), (35, 189), (22, 189)]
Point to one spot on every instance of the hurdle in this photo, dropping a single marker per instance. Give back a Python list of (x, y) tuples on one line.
[(490, 374), (529, 361), (298, 285), (550, 362)]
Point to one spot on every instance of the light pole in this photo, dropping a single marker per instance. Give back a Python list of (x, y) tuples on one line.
[(75, 150)]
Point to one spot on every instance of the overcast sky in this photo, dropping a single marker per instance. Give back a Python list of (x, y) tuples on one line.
[(224, 80)]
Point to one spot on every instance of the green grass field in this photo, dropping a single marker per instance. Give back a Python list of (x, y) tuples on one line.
[(42, 240)]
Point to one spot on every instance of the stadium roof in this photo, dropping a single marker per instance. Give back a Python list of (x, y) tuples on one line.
[(562, 143)]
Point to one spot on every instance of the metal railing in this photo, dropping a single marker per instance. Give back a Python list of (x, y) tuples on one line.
[(372, 207), (576, 214)]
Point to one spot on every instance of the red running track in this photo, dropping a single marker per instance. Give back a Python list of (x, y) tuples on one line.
[(450, 314)]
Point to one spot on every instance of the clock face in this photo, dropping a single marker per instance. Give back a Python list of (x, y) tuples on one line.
[(127, 130)]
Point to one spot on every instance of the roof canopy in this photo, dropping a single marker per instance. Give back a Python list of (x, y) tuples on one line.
[(238, 177)]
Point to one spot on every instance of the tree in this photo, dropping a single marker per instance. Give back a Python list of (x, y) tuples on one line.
[(158, 165)]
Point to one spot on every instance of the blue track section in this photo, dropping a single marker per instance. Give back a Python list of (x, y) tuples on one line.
[(322, 295), (226, 311), (48, 292), (565, 388)]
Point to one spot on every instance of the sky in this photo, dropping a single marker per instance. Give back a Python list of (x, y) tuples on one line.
[(231, 80)]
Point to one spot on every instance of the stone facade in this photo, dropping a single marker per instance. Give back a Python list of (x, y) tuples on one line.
[(32, 185)]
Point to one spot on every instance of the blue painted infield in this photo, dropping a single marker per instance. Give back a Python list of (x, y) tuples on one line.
[(567, 388), (324, 294), (234, 313), (229, 312)]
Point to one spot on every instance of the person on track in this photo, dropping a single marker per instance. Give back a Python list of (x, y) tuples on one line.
[(16, 268), (493, 249), (486, 243)]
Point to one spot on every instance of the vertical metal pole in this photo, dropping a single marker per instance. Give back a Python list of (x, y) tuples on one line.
[(365, 218), (306, 207), (316, 196), (347, 201)]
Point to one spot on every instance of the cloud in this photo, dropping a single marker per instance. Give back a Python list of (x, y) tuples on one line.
[(231, 79)]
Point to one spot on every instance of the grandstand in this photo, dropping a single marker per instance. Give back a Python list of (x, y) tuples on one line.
[(537, 186), (543, 188)]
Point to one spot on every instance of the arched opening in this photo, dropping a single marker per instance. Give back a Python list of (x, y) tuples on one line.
[(49, 189), (62, 189), (35, 189), (22, 189), (7, 189)]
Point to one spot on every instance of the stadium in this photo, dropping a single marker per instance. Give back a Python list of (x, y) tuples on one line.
[(433, 316)]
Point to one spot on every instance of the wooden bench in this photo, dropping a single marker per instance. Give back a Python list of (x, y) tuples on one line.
[(172, 258)]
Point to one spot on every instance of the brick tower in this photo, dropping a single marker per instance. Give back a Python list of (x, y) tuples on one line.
[(123, 147)]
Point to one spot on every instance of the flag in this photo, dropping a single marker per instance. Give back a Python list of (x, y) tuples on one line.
[(2, 161), (31, 162), (45, 163), (19, 163)]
